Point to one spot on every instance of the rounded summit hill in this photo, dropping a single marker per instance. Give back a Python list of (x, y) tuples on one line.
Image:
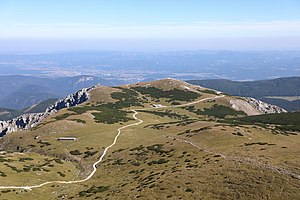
[(168, 84)]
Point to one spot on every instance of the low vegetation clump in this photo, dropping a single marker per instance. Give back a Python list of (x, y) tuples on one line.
[(2, 174), (190, 132), (63, 116), (58, 161), (166, 124), (126, 98), (5, 191), (118, 162), (282, 121), (2, 159), (43, 143), (110, 116), (169, 114), (257, 143), (31, 167), (79, 121), (219, 111), (175, 103), (209, 92), (238, 134), (171, 95), (61, 174), (158, 162), (75, 152), (89, 153), (93, 190), (158, 148), (189, 190), (286, 121), (25, 159), (275, 118)]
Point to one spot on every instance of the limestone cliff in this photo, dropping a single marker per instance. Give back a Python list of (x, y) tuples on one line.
[(27, 121), (253, 106)]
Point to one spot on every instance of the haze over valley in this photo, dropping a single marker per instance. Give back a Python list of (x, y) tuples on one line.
[(129, 67)]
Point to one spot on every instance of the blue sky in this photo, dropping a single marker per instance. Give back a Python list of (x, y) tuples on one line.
[(276, 22)]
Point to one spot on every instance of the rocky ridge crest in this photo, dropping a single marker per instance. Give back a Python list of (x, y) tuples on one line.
[(27, 121)]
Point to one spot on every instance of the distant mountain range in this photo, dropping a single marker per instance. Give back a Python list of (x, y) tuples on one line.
[(27, 96), (283, 92), (19, 92), (8, 114)]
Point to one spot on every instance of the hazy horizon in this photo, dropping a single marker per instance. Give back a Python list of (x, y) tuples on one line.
[(149, 26), (139, 40)]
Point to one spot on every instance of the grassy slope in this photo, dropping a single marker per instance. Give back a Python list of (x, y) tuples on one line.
[(282, 121), (16, 168), (152, 161)]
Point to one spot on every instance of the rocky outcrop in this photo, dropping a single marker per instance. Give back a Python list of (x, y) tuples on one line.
[(27, 121), (70, 101), (263, 107), (253, 106)]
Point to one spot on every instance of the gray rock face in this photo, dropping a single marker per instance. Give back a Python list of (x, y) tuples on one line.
[(27, 121), (71, 100), (263, 107), (253, 106)]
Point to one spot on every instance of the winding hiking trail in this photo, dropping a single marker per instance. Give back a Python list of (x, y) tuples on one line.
[(106, 149)]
